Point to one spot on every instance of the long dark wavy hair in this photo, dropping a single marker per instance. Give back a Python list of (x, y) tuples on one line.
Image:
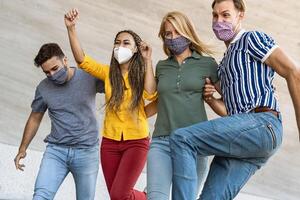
[(136, 77)]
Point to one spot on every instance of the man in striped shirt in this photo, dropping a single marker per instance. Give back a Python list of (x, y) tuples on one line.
[(251, 134)]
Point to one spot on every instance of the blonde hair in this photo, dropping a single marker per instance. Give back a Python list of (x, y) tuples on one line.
[(184, 27)]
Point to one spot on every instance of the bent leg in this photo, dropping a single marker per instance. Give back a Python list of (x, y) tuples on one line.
[(52, 172), (241, 136)]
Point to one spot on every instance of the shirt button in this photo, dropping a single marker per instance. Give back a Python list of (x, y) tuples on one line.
[(178, 76)]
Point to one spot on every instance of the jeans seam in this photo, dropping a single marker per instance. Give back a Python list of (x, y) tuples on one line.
[(243, 132)]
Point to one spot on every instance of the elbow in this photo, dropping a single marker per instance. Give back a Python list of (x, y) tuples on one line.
[(79, 59), (223, 114), (293, 74), (79, 56), (151, 90)]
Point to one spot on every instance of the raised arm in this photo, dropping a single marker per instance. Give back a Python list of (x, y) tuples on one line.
[(85, 62), (30, 130), (217, 105), (70, 21), (149, 83), (286, 68)]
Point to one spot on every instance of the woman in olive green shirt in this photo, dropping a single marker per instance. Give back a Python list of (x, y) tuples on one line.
[(180, 81)]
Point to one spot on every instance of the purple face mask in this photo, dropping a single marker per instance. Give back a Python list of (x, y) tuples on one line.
[(177, 45), (223, 30)]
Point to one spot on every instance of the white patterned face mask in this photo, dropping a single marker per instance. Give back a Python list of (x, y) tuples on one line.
[(122, 54)]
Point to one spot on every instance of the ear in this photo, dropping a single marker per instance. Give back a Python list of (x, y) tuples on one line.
[(242, 15), (135, 50), (65, 61)]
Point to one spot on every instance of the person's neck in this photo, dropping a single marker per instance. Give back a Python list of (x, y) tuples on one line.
[(185, 54), (124, 68), (71, 71)]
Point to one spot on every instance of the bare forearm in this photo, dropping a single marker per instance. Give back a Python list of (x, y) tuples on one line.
[(218, 106), (293, 82), (150, 83), (151, 109), (77, 51), (30, 130)]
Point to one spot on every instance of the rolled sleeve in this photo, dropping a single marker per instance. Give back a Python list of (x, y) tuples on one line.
[(149, 97)]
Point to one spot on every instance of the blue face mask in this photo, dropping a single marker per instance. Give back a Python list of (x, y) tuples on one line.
[(177, 45), (60, 77)]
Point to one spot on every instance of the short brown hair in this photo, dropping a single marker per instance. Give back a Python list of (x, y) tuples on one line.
[(240, 5), (46, 52)]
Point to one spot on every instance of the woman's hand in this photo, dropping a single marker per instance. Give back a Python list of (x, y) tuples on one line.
[(146, 51), (71, 17)]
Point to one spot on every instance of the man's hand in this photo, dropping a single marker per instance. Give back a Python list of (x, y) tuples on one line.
[(208, 90), (19, 156), (71, 17)]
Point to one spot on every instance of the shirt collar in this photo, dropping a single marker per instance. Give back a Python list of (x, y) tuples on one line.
[(195, 55), (238, 36)]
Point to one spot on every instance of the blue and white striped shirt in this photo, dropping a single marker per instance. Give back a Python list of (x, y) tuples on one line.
[(246, 81)]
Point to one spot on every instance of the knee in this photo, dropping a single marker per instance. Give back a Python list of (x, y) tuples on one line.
[(118, 195)]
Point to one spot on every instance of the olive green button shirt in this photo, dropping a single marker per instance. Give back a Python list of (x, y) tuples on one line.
[(180, 87)]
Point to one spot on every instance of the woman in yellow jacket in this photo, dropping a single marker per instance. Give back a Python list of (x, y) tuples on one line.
[(129, 80)]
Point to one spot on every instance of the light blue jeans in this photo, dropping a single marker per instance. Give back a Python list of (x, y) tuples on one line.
[(58, 161), (241, 143), (160, 170)]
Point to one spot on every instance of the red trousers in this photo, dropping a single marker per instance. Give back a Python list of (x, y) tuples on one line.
[(122, 163)]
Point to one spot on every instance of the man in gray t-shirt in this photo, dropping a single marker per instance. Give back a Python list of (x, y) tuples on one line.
[(69, 95)]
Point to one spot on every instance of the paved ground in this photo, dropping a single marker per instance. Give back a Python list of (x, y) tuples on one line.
[(26, 24)]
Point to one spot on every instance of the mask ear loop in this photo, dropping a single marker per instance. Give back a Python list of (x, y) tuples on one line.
[(238, 26), (135, 50)]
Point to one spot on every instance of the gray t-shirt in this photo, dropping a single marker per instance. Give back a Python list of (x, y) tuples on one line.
[(71, 108)]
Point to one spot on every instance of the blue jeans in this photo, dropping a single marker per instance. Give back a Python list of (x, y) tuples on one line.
[(58, 161), (241, 143), (160, 170)]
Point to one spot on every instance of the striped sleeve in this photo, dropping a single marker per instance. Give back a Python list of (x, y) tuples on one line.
[(260, 45)]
